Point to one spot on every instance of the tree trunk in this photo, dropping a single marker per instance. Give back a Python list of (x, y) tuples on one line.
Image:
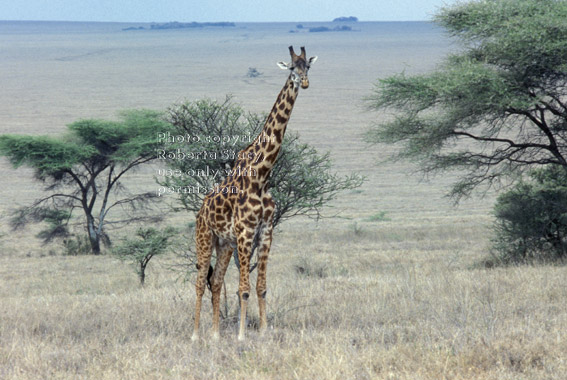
[(142, 274), (94, 238)]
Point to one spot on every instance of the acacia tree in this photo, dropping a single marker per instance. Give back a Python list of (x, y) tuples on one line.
[(494, 109), (83, 169), (208, 135), (212, 133), (149, 242)]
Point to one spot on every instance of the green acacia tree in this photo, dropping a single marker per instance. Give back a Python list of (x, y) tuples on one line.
[(497, 107), (301, 182), (149, 243), (83, 170)]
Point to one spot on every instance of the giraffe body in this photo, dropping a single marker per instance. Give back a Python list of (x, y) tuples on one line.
[(241, 208)]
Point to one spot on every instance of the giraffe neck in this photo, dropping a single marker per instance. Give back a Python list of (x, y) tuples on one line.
[(266, 146)]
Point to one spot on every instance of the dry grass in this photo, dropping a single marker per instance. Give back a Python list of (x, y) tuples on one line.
[(336, 310), (352, 297)]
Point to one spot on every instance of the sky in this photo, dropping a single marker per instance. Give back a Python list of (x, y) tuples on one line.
[(218, 10)]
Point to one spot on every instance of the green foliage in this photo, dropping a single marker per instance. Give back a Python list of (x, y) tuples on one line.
[(495, 108), (57, 221), (83, 168), (134, 136), (149, 242), (531, 219), (526, 37), (99, 143), (49, 157), (206, 122), (301, 182)]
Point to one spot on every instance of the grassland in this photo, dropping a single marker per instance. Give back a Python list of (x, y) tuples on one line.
[(393, 304), (388, 287)]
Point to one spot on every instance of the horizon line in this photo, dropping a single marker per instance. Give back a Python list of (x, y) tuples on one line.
[(200, 22)]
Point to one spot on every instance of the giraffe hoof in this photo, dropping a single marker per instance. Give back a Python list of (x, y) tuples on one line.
[(241, 338), (194, 337), (216, 336)]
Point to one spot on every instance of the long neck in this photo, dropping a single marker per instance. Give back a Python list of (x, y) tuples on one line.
[(268, 143)]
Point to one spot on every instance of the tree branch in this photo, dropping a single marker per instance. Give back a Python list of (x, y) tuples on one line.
[(52, 196), (76, 179), (501, 140), (139, 197)]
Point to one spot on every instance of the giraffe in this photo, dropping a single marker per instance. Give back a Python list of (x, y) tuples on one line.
[(241, 208)]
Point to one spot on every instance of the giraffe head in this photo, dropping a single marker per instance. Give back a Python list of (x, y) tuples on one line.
[(299, 67)]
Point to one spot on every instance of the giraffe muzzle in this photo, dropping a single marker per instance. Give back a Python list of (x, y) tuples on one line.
[(304, 83)]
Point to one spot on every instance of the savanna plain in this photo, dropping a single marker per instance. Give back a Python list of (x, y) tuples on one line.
[(389, 285)]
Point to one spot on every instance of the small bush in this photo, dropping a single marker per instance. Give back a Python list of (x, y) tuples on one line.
[(531, 219), (306, 267), (379, 217), (148, 242), (76, 246), (357, 229)]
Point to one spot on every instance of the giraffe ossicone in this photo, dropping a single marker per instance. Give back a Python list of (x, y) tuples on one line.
[(229, 220)]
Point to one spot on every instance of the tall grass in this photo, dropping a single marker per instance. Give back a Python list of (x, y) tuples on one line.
[(357, 313)]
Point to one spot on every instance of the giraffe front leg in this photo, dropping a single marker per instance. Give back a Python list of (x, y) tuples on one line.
[(200, 290), (244, 250), (264, 251)]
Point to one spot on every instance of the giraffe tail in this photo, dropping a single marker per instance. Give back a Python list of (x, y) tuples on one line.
[(209, 275)]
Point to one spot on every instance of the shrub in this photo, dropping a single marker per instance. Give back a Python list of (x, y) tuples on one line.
[(149, 242), (531, 219), (76, 246)]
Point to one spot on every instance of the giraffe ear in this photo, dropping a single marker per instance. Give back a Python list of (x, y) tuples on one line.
[(284, 66), (312, 60)]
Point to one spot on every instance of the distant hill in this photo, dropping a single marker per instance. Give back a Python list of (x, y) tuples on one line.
[(346, 19), (184, 25), (320, 29)]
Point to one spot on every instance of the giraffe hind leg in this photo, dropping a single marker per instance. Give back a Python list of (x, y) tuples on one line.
[(261, 289), (264, 245), (244, 249), (204, 245)]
